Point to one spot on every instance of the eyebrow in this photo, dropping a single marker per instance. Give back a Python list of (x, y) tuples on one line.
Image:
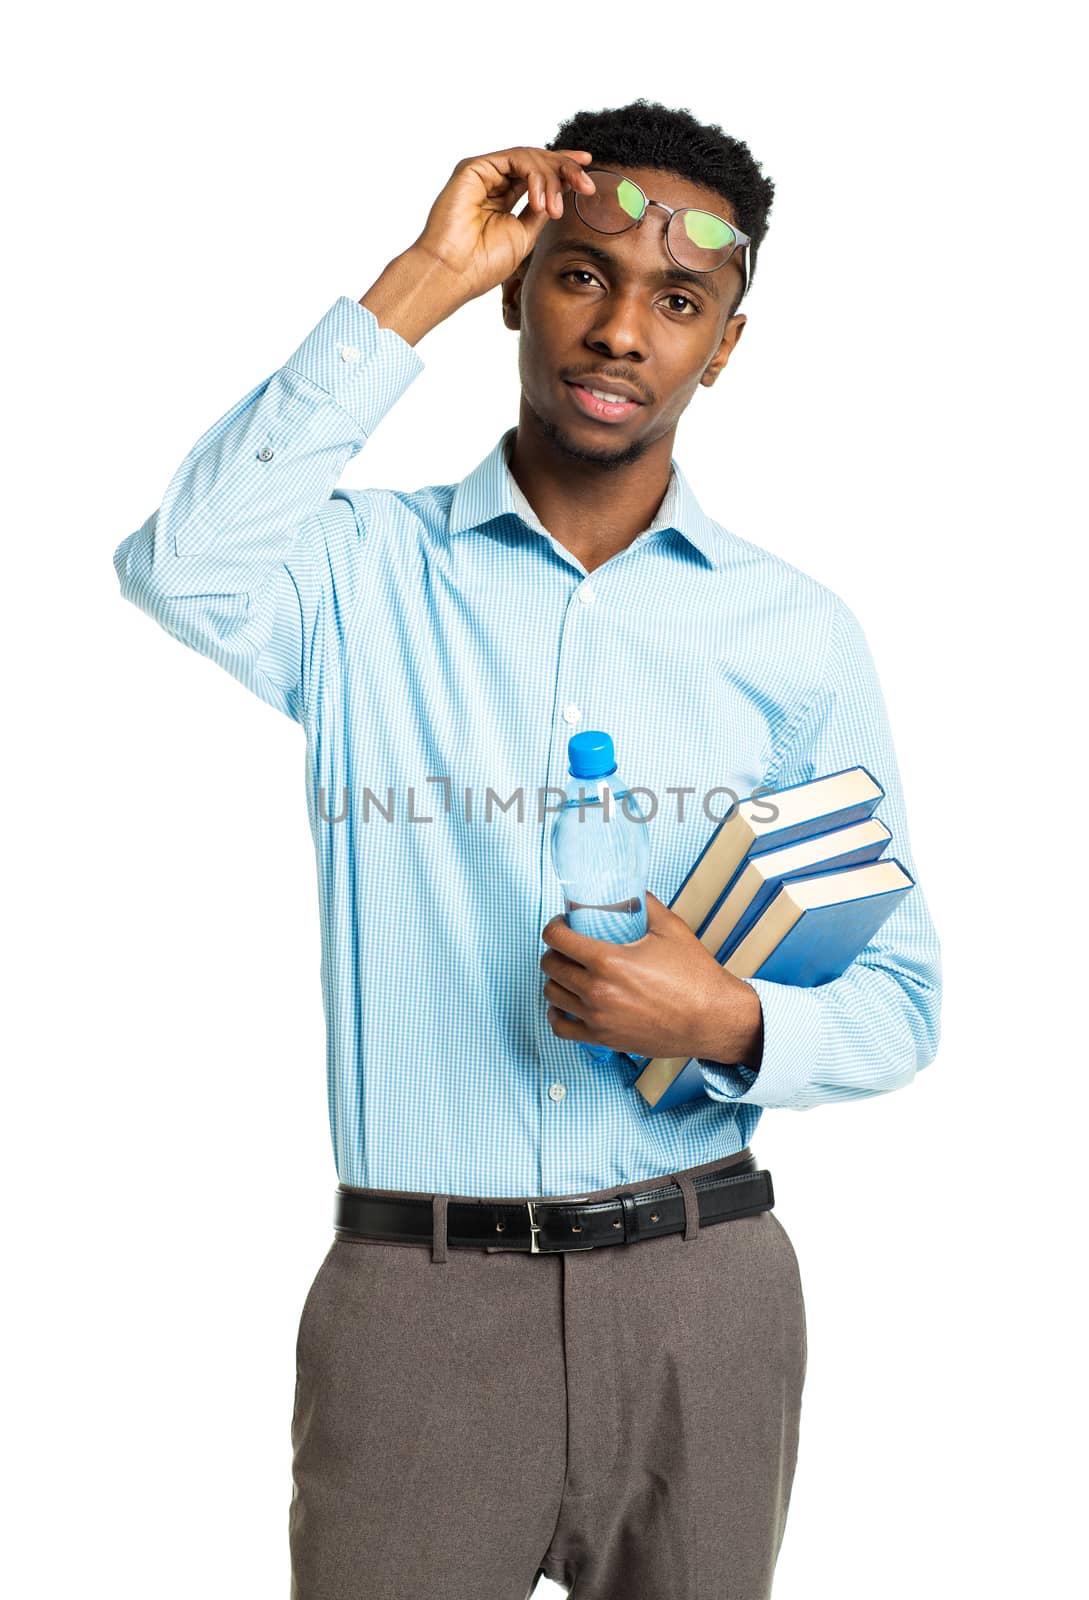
[(673, 274)]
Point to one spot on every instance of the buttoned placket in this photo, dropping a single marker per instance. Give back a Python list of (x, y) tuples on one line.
[(586, 608)]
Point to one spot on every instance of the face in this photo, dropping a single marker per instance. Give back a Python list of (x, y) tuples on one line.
[(601, 307)]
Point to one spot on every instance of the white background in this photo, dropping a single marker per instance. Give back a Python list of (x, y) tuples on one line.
[(190, 191)]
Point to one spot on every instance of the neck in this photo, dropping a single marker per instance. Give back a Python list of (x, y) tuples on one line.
[(593, 508)]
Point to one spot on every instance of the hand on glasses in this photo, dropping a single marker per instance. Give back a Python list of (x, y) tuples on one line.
[(471, 227)]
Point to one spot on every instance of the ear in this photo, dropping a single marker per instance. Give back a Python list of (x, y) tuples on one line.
[(512, 295), (732, 333)]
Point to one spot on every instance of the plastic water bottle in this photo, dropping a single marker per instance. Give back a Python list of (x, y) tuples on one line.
[(600, 850)]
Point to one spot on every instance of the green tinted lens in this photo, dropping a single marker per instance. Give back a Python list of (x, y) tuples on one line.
[(708, 232), (629, 198)]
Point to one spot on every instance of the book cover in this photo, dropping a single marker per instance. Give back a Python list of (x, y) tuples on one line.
[(767, 822), (712, 917), (755, 885)]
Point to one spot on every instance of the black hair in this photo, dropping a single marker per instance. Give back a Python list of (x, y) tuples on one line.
[(649, 134)]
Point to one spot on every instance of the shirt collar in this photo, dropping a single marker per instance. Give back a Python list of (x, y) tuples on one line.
[(491, 491)]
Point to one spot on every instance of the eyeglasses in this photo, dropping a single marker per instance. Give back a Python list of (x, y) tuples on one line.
[(695, 239)]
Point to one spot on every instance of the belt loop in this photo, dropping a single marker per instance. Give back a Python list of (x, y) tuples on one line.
[(438, 1226), (630, 1217), (691, 1204)]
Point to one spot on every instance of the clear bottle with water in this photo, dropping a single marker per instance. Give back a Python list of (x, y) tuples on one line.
[(600, 850)]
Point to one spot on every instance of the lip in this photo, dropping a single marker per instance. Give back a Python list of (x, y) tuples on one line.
[(600, 410)]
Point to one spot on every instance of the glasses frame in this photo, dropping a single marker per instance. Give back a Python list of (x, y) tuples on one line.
[(742, 240)]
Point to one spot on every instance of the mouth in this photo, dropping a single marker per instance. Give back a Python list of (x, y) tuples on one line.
[(602, 410)]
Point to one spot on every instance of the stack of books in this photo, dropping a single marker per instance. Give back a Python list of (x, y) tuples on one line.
[(788, 887)]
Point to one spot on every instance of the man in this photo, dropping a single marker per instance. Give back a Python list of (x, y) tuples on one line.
[(476, 1405)]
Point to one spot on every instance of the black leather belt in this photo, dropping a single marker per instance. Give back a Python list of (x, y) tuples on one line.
[(546, 1226)]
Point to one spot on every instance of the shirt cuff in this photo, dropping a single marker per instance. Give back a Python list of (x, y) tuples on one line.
[(792, 1036), (361, 365)]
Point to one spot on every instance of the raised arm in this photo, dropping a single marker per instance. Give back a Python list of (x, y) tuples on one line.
[(244, 556), (249, 559)]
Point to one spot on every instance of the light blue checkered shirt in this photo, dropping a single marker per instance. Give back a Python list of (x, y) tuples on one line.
[(439, 648)]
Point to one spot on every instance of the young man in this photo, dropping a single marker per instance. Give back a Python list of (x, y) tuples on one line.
[(476, 1405)]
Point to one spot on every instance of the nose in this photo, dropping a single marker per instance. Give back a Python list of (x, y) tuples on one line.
[(618, 330)]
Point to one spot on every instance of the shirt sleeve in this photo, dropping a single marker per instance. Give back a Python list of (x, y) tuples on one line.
[(249, 559), (874, 1027)]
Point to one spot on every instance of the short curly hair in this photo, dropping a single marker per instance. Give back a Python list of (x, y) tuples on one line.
[(649, 134)]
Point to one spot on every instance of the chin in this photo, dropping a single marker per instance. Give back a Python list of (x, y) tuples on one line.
[(568, 444)]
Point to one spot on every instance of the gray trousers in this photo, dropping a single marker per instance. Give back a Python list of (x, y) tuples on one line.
[(622, 1420)]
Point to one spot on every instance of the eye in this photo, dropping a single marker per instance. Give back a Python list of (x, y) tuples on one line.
[(694, 309)]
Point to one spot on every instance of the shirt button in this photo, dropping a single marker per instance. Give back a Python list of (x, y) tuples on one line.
[(556, 1091), (586, 594), (572, 713), (348, 352), (264, 454)]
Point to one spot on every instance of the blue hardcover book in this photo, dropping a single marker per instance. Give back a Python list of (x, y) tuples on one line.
[(755, 879), (770, 821), (809, 933), (756, 883)]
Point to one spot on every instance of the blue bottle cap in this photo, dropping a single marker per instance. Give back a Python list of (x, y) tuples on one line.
[(590, 754)]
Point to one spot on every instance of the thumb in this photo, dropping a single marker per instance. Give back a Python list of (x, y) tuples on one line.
[(664, 923), (657, 913), (533, 222)]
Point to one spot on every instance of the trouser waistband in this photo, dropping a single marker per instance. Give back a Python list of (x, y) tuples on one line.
[(693, 1197)]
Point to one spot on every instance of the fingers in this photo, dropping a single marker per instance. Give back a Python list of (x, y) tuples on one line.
[(545, 191), (542, 176), (566, 999), (537, 193), (567, 174)]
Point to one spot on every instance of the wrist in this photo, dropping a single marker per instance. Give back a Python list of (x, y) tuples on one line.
[(733, 1030), (413, 294)]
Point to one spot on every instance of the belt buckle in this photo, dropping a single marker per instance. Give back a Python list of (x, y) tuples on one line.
[(535, 1227)]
